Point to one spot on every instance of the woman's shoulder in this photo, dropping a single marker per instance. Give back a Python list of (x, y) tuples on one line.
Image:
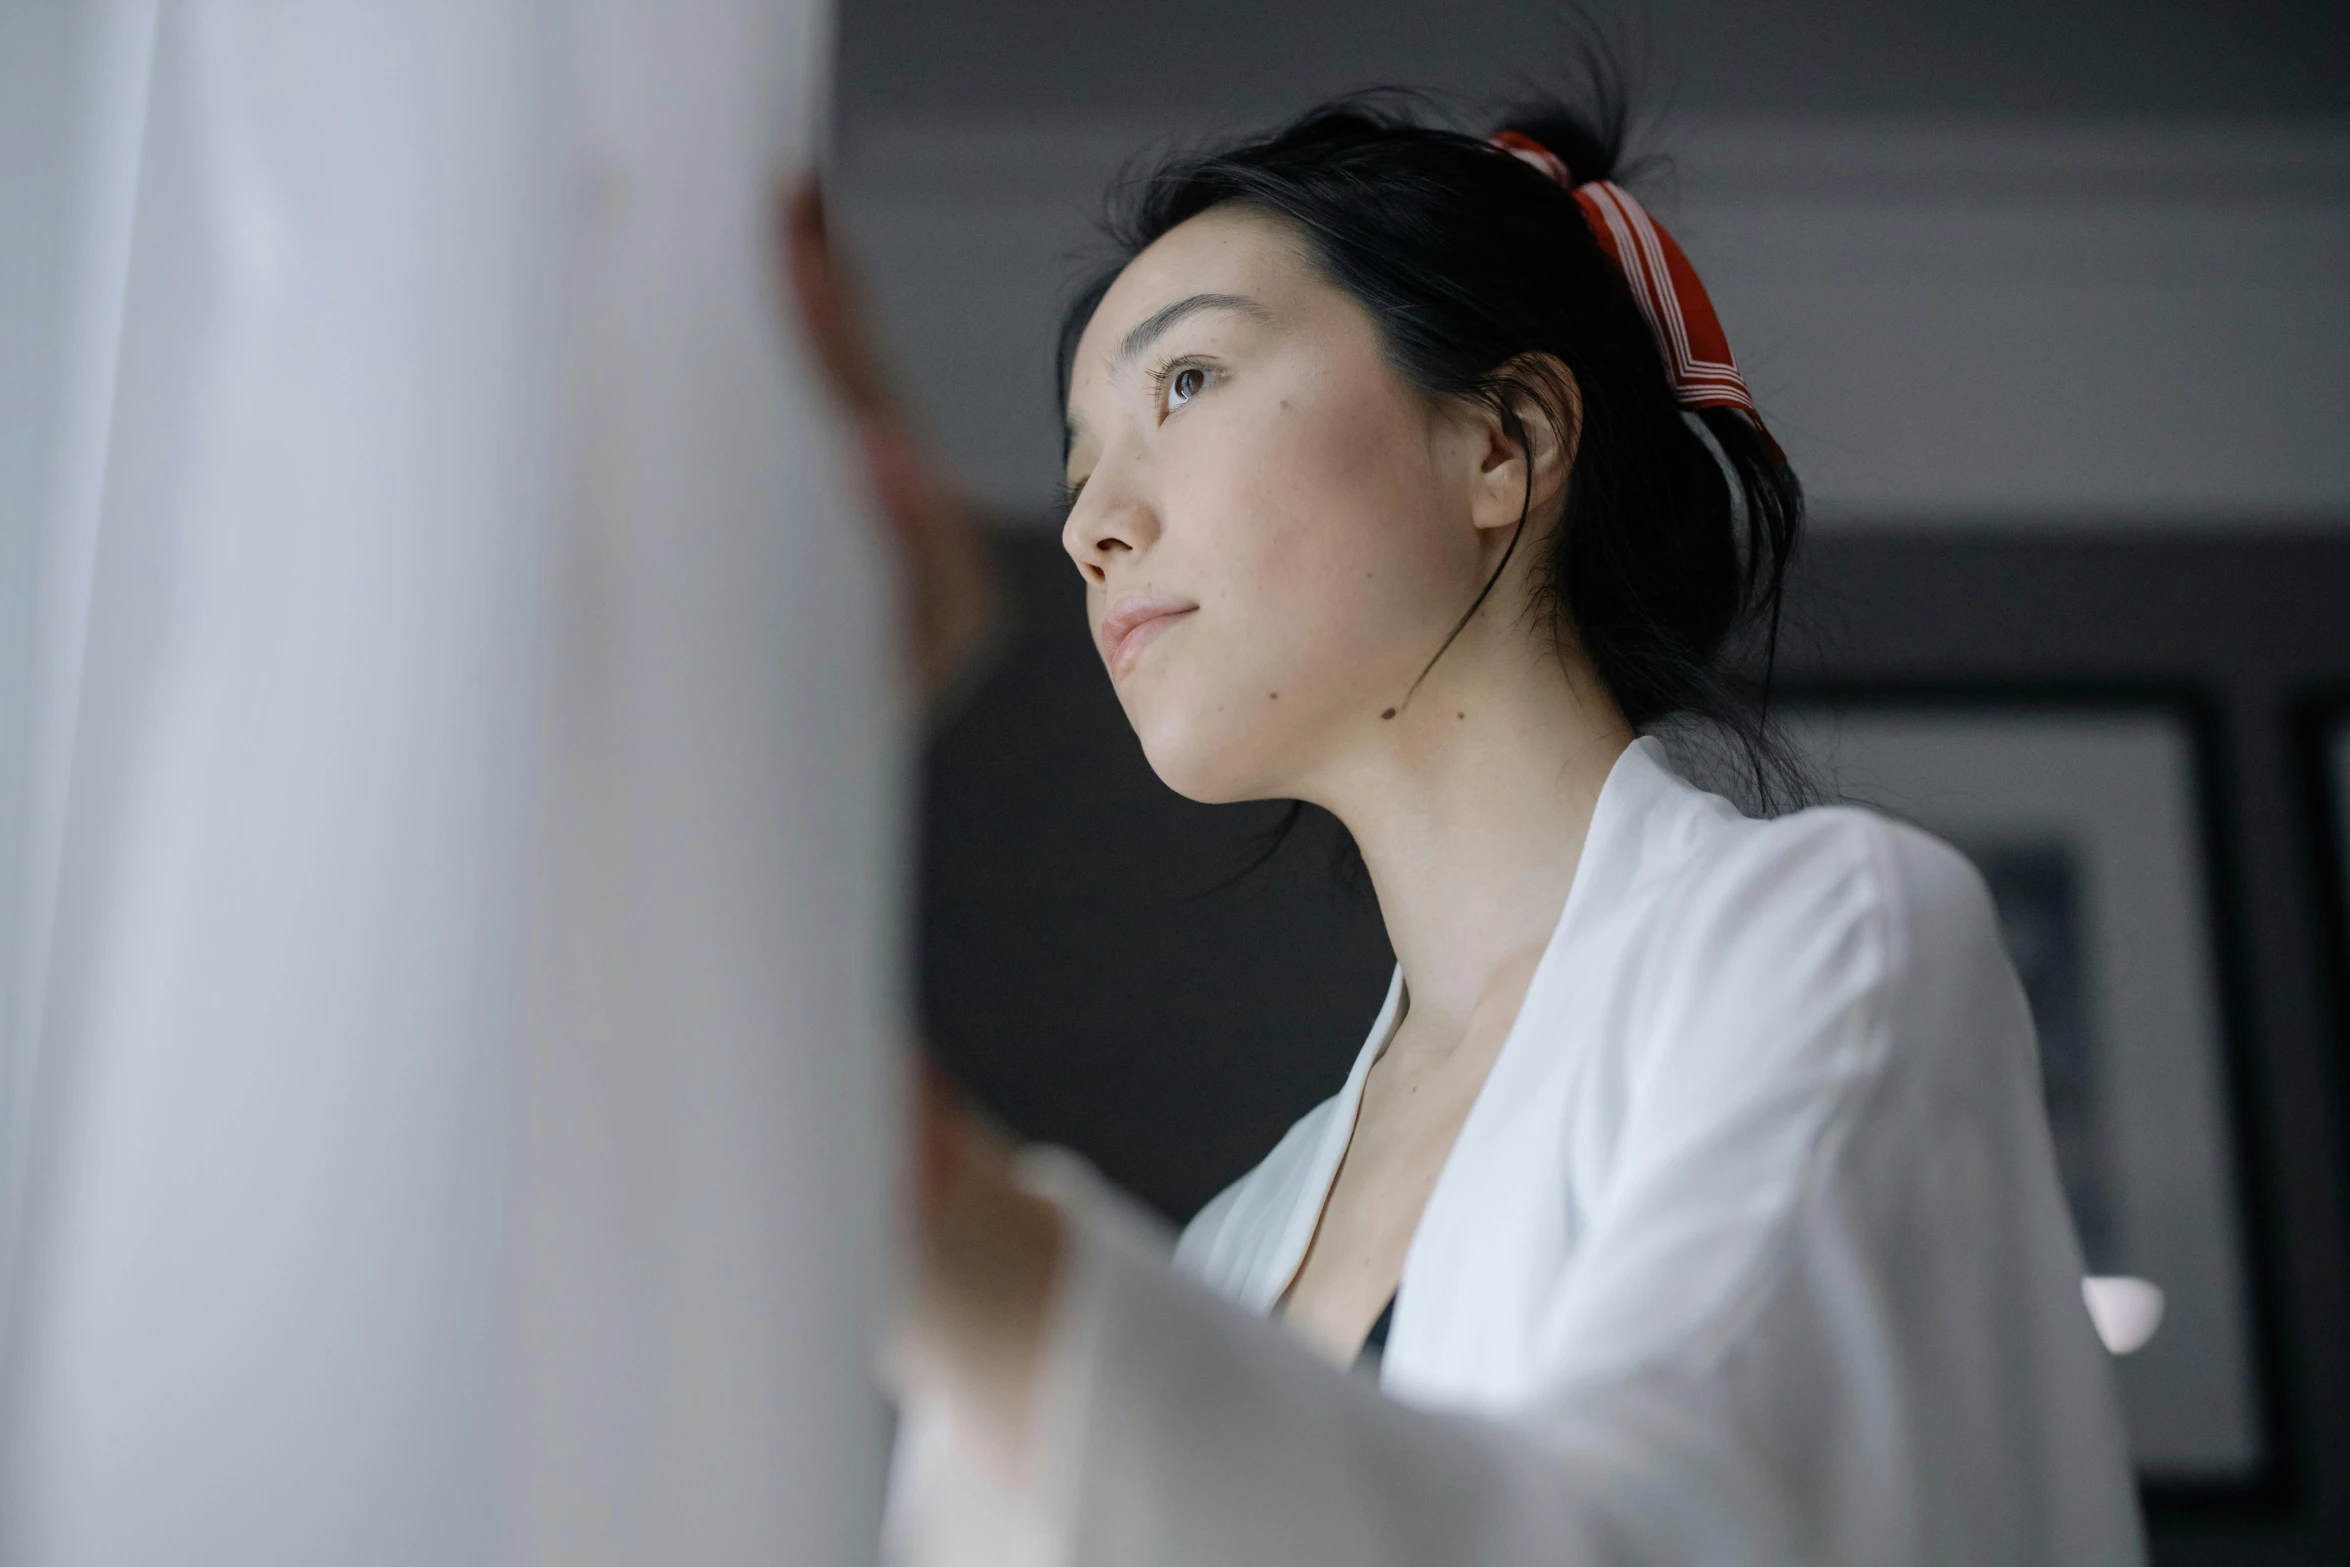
[(1832, 929), (1682, 859), (1227, 1244), (1830, 868)]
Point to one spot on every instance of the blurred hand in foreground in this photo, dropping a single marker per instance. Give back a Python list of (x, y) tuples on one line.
[(986, 1266), (952, 594), (985, 1251)]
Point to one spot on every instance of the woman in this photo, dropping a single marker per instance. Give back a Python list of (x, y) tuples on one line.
[(1693, 1175)]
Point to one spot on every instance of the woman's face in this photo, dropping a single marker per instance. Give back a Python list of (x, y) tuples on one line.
[(1276, 530)]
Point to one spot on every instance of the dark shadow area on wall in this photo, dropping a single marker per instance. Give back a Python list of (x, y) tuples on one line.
[(1093, 972), (1095, 964)]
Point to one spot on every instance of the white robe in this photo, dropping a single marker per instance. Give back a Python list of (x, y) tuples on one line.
[(1751, 1249)]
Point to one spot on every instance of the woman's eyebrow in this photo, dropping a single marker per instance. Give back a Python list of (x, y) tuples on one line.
[(1152, 327)]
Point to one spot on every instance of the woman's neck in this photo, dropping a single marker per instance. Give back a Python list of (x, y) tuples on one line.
[(1471, 813)]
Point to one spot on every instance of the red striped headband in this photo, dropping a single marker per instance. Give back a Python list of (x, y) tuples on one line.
[(1664, 285)]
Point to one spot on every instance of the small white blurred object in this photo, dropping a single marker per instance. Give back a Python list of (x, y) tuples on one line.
[(2127, 1311)]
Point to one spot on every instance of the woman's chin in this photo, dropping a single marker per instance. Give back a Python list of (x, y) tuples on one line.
[(1188, 776), (1210, 769)]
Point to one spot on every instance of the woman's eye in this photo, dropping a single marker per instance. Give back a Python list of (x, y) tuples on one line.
[(1183, 385)]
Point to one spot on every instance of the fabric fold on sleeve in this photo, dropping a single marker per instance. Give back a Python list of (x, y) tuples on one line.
[(1184, 1432)]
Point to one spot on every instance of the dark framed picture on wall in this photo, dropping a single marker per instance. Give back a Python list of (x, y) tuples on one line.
[(2333, 745), (2091, 824), (2325, 730)]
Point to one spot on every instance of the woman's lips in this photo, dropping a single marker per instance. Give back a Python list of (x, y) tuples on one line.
[(1133, 621)]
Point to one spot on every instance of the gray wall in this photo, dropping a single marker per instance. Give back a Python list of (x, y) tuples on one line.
[(1991, 265), (1222, 58)]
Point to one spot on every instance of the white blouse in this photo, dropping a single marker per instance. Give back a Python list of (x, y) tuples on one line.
[(1751, 1249)]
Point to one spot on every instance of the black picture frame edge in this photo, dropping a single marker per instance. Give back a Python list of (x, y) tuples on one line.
[(2316, 716), (2276, 1488)]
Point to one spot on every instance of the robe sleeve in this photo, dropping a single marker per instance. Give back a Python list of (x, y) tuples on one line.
[(1826, 1307)]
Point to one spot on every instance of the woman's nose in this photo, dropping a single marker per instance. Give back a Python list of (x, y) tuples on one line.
[(1108, 522)]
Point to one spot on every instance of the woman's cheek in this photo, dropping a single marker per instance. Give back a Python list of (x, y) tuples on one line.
[(1285, 588)]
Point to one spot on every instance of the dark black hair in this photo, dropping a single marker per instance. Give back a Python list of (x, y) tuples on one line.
[(1669, 559)]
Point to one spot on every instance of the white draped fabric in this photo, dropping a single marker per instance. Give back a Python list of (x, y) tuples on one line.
[(451, 775)]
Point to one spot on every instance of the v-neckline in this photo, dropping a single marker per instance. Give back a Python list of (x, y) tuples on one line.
[(1313, 1203), (1314, 1194)]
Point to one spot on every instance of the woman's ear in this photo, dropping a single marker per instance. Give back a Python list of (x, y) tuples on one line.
[(1524, 459)]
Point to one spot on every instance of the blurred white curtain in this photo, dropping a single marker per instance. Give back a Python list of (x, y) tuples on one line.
[(451, 779)]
